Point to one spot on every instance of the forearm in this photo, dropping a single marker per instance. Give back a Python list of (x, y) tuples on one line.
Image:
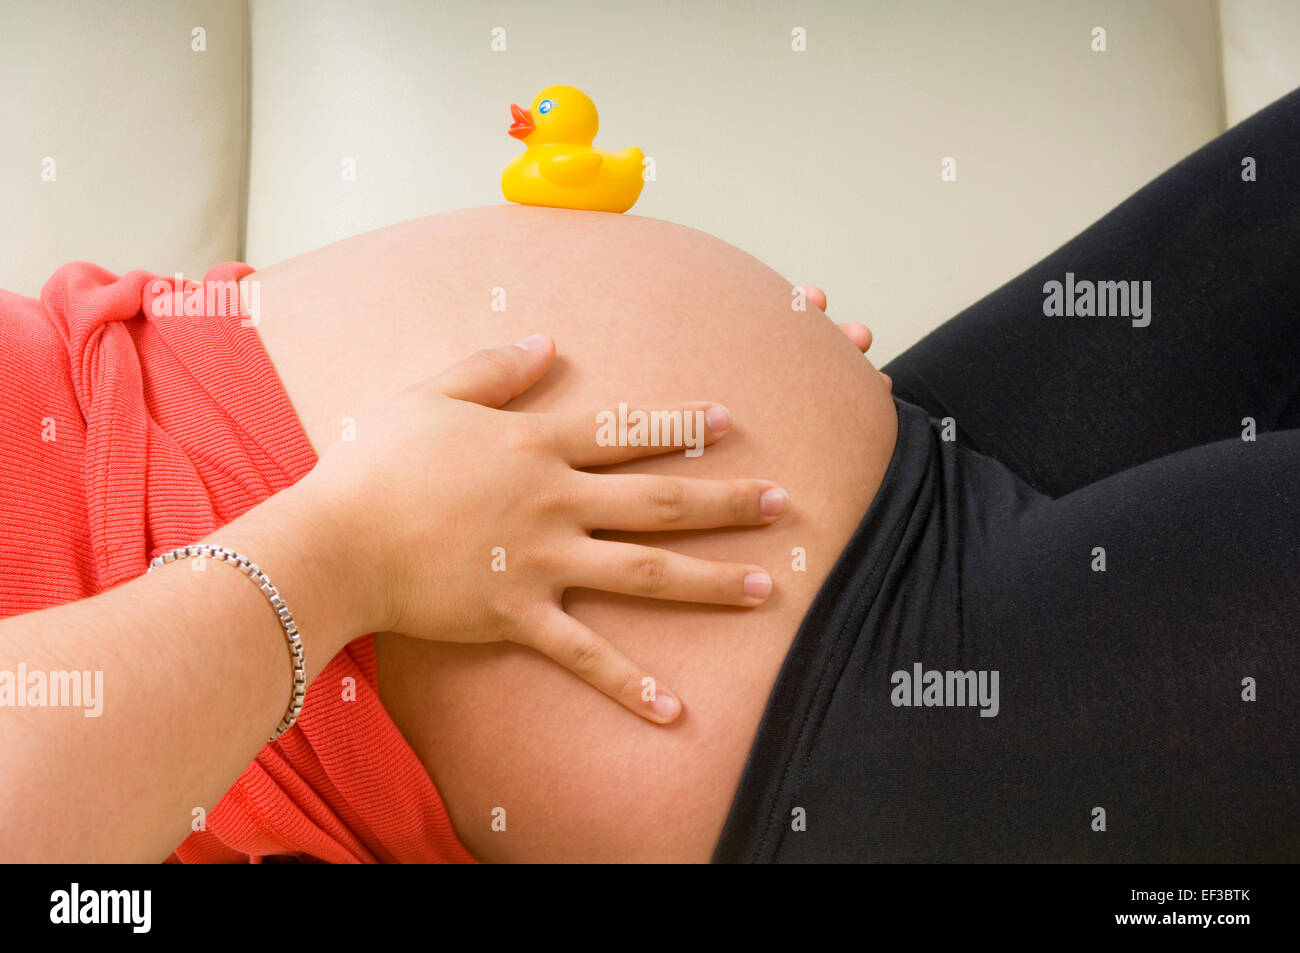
[(196, 675)]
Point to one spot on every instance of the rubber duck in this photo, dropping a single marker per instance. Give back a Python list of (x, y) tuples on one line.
[(559, 166)]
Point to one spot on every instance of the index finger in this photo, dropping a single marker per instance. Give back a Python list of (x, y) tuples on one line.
[(617, 434)]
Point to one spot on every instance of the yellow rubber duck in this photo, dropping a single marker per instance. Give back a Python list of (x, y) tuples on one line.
[(560, 167)]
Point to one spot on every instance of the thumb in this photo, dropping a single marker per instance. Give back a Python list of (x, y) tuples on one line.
[(496, 376)]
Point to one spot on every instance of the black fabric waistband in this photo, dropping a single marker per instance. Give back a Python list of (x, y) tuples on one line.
[(886, 541)]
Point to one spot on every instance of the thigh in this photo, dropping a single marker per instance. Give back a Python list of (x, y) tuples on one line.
[(1134, 650), (642, 311), (1067, 400), (1147, 630)]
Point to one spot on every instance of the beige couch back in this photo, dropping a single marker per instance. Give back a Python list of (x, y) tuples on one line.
[(825, 162), (120, 143)]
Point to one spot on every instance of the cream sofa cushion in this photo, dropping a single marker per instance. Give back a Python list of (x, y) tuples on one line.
[(1261, 53), (145, 136)]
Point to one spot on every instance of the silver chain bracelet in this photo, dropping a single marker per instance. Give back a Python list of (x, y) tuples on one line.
[(251, 570)]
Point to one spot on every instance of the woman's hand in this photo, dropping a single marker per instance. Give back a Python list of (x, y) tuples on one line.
[(467, 524), (859, 334)]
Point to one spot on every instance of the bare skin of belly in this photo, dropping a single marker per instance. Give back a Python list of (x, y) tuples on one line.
[(645, 312)]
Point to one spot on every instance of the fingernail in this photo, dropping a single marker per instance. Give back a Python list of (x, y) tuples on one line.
[(718, 418), (665, 705), (534, 342), (774, 501), (758, 584)]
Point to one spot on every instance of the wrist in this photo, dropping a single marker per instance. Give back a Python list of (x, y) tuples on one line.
[(308, 559), (351, 560)]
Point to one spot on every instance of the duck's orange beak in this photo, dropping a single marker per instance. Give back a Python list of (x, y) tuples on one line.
[(523, 124)]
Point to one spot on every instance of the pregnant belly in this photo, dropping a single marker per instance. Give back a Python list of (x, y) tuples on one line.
[(642, 312)]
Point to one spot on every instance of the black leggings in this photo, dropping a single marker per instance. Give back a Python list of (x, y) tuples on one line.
[(1104, 535)]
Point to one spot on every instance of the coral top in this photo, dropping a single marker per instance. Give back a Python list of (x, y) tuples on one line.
[(124, 433)]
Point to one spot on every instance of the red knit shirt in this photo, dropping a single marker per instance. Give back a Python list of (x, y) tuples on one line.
[(123, 434)]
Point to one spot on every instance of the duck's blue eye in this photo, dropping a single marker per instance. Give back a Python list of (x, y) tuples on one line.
[(545, 106)]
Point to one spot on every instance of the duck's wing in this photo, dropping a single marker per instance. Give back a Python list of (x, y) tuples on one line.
[(570, 170)]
